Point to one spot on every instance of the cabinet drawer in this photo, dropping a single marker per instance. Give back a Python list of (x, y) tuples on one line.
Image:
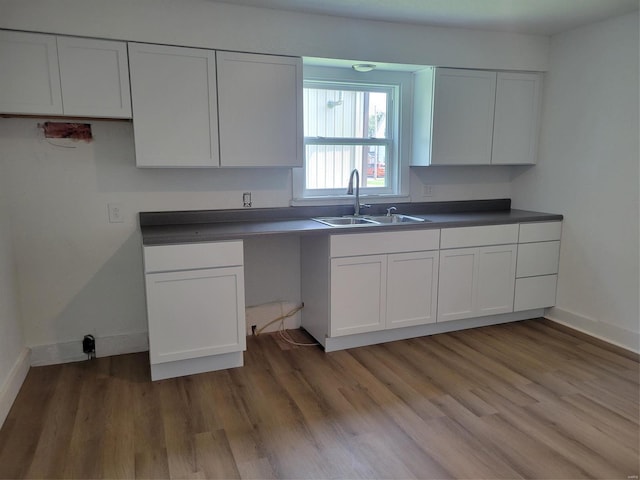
[(384, 242), (540, 231), (479, 236), (538, 259), (166, 258), (535, 292)]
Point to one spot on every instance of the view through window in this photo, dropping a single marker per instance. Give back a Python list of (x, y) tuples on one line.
[(347, 126)]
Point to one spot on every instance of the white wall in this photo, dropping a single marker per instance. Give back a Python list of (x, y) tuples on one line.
[(588, 171), (80, 274), (205, 23), (11, 341)]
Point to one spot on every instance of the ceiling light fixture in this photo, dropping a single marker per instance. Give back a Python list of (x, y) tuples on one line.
[(363, 67)]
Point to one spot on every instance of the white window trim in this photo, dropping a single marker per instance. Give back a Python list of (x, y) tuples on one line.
[(402, 143)]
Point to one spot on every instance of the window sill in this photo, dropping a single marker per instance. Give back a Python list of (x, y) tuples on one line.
[(347, 199)]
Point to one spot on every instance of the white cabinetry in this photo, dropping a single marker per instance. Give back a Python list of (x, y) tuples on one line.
[(463, 108), (412, 288), (538, 257), (174, 96), (195, 307), (201, 108), (475, 117), (260, 110), (477, 281), (358, 294), (517, 118), (29, 76), (358, 283), (94, 76), (55, 75)]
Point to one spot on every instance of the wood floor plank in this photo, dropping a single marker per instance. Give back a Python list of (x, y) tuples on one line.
[(25, 422), (522, 452), (523, 400), (58, 426)]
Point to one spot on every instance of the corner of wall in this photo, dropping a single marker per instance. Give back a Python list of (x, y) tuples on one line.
[(11, 387)]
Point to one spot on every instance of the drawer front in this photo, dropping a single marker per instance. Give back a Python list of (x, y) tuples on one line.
[(535, 292), (540, 231), (538, 259), (384, 242), (167, 258), (479, 236)]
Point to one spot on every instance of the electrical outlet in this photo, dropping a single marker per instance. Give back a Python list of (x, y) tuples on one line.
[(115, 213), (427, 190), (246, 199)]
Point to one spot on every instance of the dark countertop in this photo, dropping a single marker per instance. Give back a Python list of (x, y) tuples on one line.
[(165, 228)]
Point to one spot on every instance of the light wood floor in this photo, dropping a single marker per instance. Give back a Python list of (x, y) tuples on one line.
[(524, 400)]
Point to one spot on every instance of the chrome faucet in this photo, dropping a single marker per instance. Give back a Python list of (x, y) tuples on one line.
[(356, 204)]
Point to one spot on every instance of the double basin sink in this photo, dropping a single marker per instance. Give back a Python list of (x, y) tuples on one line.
[(368, 220)]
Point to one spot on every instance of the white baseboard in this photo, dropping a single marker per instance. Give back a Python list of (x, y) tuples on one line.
[(9, 390), (105, 347), (596, 328)]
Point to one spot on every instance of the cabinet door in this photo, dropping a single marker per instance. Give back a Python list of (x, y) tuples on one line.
[(260, 110), (457, 290), (94, 75), (412, 287), (29, 75), (464, 102), (173, 95), (195, 313), (358, 294), (496, 279), (515, 130)]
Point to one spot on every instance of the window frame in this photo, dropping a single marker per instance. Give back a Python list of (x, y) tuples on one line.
[(398, 118)]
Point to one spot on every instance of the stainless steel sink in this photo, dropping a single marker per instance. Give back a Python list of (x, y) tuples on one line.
[(395, 218), (345, 221), (369, 220)]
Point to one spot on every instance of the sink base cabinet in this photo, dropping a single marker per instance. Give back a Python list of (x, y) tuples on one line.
[(196, 315), (350, 287)]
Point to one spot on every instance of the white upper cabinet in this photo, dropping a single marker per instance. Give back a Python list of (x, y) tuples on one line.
[(260, 110), (517, 118), (175, 119), (94, 75), (463, 117), (475, 117), (29, 74), (49, 75)]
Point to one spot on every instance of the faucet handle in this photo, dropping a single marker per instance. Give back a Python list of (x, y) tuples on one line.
[(365, 205), (389, 210)]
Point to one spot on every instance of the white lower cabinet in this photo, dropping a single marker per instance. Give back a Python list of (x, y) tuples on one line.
[(458, 290), (412, 288), (496, 279), (377, 292), (196, 315), (358, 294), (369, 282), (479, 280), (538, 259)]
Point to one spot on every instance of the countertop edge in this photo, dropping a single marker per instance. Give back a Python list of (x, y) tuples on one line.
[(156, 235)]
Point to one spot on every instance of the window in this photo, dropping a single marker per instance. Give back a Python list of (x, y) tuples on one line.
[(352, 121), (348, 126)]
